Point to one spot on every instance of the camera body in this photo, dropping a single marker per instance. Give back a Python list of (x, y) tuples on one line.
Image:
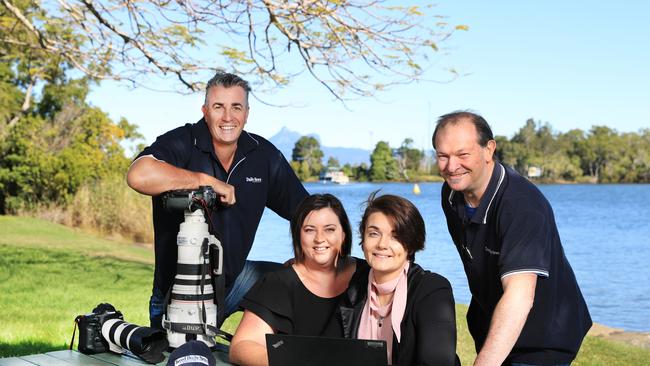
[(105, 330), (190, 199), (91, 340)]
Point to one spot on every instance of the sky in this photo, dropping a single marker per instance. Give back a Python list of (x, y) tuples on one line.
[(573, 64)]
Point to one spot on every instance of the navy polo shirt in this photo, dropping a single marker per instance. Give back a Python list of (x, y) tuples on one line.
[(261, 176), (513, 231)]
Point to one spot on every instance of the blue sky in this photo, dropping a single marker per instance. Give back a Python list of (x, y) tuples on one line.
[(573, 64)]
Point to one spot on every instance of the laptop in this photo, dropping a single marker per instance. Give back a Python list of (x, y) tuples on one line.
[(289, 350)]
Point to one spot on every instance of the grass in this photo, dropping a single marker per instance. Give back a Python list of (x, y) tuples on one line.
[(107, 207), (49, 274)]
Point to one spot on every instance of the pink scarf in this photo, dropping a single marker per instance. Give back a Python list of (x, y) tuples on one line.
[(379, 322)]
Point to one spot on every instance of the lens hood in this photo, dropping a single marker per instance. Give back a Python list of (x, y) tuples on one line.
[(149, 344)]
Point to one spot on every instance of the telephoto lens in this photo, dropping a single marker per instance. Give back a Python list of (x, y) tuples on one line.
[(144, 342), (192, 312)]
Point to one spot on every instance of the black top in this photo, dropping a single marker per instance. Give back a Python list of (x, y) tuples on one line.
[(514, 231), (261, 177), (428, 328), (284, 303)]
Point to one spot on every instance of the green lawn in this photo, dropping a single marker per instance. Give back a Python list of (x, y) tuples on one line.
[(49, 274)]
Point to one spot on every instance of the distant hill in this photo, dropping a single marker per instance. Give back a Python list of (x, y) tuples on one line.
[(285, 139)]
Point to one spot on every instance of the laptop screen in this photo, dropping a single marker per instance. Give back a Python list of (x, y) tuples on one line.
[(288, 350)]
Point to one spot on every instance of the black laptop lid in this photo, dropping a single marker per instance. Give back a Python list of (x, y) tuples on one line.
[(289, 350)]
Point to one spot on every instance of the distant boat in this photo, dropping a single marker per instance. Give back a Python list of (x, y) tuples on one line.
[(334, 175), (416, 189)]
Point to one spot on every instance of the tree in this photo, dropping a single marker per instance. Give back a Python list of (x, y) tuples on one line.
[(45, 161), (382, 164), (355, 47), (27, 63), (307, 152), (51, 142), (637, 157), (348, 170), (361, 172), (333, 162), (408, 158), (599, 150)]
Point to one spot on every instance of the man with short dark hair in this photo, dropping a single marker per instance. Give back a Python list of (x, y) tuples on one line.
[(526, 305), (246, 171)]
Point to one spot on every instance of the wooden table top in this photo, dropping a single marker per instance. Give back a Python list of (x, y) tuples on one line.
[(68, 358)]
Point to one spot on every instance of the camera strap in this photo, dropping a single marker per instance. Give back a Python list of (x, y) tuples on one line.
[(212, 331), (74, 330), (217, 277), (219, 298), (205, 250), (218, 284)]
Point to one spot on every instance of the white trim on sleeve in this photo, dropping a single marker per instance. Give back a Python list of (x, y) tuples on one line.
[(539, 272), (145, 156)]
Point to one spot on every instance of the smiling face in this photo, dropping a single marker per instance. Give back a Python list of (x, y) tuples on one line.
[(321, 238), (383, 252), (464, 164), (225, 112)]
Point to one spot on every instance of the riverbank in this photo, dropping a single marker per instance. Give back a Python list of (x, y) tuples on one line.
[(636, 339)]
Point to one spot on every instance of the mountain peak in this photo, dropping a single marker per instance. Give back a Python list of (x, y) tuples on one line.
[(285, 140)]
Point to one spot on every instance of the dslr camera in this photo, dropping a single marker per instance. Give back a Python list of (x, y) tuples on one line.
[(105, 330), (90, 328)]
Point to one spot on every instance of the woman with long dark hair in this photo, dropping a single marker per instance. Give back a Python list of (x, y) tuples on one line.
[(303, 298)]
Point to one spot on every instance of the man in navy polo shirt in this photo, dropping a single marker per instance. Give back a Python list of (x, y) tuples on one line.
[(526, 306), (246, 171)]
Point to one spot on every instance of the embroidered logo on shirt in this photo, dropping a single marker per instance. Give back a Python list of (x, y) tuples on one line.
[(253, 179), (490, 251)]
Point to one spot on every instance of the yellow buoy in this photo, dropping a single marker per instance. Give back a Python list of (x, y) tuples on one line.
[(416, 189)]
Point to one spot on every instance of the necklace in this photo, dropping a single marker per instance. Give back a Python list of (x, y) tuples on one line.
[(380, 317)]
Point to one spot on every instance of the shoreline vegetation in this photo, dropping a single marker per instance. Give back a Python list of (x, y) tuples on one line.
[(438, 179), (536, 151), (58, 272)]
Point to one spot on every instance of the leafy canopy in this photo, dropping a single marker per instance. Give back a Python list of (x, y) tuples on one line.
[(350, 47)]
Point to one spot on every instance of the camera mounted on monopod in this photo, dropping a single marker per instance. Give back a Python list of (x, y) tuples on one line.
[(195, 305)]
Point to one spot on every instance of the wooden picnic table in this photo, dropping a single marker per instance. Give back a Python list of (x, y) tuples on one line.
[(74, 357)]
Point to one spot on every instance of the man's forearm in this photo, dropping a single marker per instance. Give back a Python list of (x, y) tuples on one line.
[(508, 320), (152, 177)]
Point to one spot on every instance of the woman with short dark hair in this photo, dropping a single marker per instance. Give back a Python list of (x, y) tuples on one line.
[(303, 298), (399, 302)]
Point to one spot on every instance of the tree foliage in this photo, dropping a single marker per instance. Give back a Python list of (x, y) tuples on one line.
[(382, 164), (306, 157), (45, 161), (354, 47), (408, 158), (599, 155), (333, 162), (52, 142)]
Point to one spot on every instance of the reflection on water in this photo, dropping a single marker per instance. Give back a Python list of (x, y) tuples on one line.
[(604, 230)]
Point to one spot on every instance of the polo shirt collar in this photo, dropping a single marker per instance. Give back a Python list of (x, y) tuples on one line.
[(203, 140), (487, 201)]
